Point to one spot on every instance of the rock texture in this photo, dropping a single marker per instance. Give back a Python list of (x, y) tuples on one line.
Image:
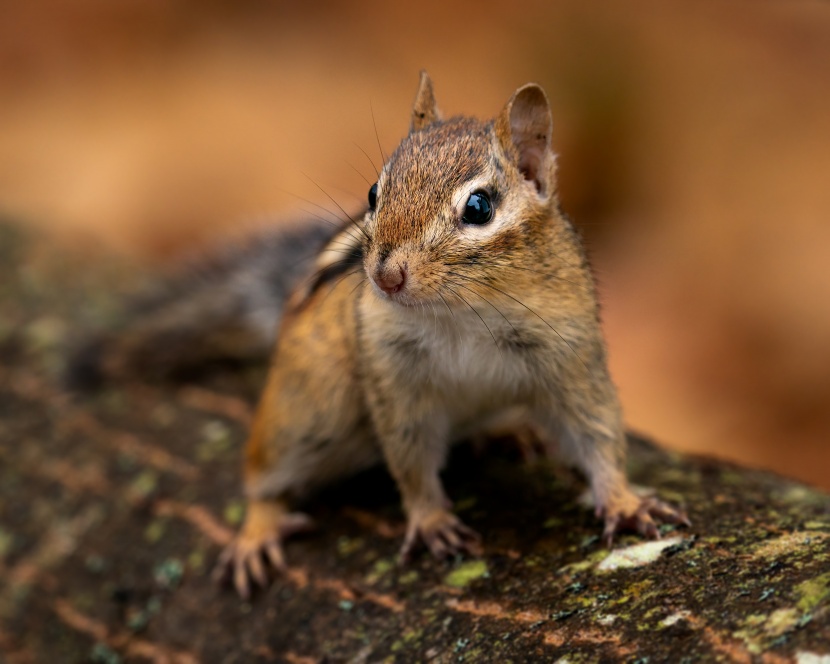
[(114, 507)]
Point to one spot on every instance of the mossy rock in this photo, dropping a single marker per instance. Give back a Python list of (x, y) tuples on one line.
[(99, 563)]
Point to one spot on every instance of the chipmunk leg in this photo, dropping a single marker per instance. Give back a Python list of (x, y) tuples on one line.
[(286, 460), (307, 433), (268, 520), (311, 428), (415, 454), (592, 437), (602, 460)]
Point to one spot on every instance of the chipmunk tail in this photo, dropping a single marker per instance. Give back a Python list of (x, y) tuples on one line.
[(222, 308)]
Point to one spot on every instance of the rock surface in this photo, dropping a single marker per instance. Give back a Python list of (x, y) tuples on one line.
[(114, 507)]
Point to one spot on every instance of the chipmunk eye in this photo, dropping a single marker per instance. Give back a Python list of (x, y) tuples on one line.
[(478, 210), (373, 196)]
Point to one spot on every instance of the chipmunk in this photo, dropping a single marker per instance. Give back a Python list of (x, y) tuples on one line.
[(460, 300), (463, 293)]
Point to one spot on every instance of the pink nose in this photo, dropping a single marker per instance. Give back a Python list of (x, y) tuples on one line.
[(390, 280)]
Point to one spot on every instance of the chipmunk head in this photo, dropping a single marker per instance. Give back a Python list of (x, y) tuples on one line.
[(459, 200)]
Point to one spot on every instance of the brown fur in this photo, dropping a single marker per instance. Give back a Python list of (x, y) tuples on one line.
[(491, 319)]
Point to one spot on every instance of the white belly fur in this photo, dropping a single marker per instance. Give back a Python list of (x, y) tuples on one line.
[(474, 380)]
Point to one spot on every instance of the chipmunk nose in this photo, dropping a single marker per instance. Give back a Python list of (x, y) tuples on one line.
[(390, 278)]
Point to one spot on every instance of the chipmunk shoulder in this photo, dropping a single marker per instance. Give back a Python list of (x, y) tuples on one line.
[(461, 294)]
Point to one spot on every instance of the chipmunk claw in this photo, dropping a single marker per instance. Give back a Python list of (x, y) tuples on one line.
[(443, 533), (246, 560), (641, 515), (257, 549)]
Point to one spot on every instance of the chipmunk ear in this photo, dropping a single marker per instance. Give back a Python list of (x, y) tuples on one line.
[(523, 129), (424, 110)]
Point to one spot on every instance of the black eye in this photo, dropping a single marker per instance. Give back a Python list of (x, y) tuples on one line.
[(478, 210), (373, 196)]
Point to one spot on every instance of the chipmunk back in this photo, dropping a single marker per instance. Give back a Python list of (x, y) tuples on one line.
[(461, 295)]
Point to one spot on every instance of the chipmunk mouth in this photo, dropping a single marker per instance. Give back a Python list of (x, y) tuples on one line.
[(407, 296), (401, 296)]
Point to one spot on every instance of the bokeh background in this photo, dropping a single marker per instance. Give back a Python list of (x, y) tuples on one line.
[(694, 142)]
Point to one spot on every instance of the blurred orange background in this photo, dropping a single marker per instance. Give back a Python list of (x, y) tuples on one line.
[(694, 142)]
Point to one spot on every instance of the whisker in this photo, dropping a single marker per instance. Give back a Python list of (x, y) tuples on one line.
[(331, 198), (454, 319), (358, 284), (323, 219), (435, 316), (519, 302), (499, 311), (340, 280), (339, 243), (423, 309), (359, 199), (317, 205), (437, 291), (555, 276), (343, 263), (377, 135), (371, 161), (307, 256), (354, 168), (473, 309), (327, 246), (509, 265)]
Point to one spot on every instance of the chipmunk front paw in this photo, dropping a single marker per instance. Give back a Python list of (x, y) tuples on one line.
[(258, 546), (443, 533), (641, 514)]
